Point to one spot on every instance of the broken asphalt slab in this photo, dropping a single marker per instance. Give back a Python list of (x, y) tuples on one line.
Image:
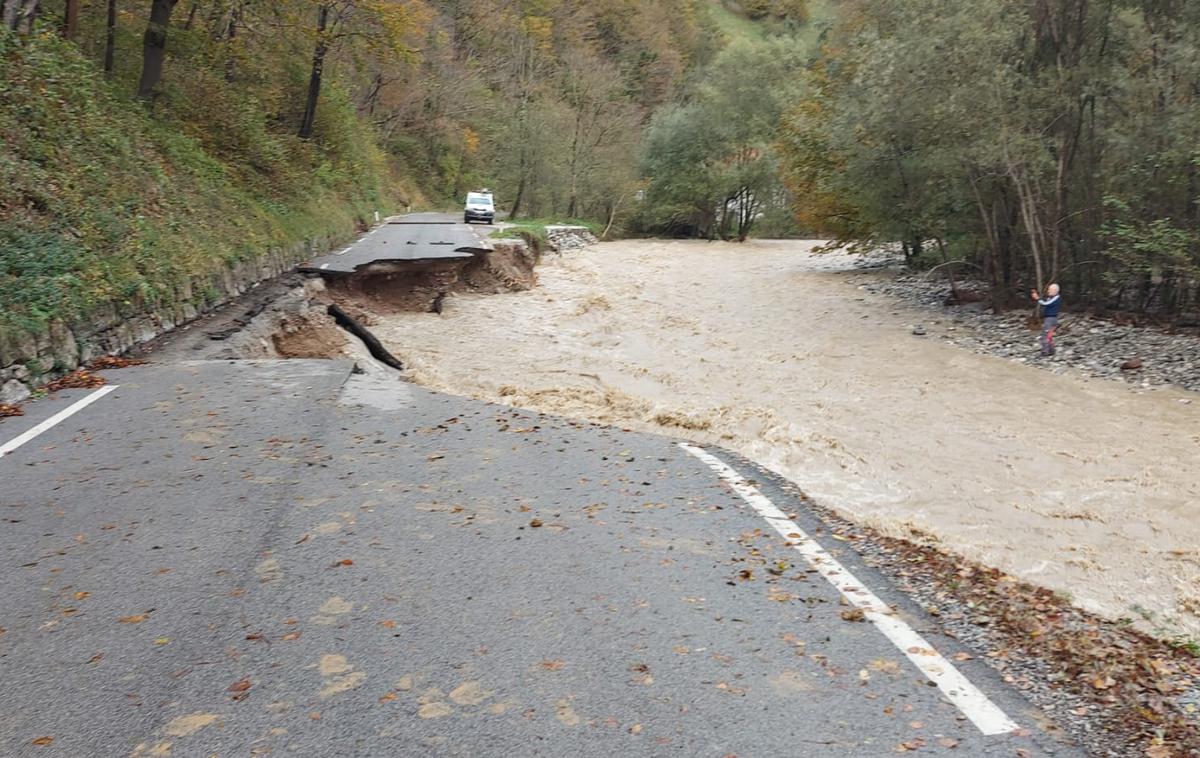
[(406, 239)]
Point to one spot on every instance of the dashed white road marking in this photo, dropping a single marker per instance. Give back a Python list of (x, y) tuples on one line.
[(957, 688), (54, 420)]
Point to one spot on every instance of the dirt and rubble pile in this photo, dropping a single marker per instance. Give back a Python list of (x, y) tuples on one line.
[(508, 268)]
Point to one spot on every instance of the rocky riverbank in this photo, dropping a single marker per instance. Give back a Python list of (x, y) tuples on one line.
[(1143, 356)]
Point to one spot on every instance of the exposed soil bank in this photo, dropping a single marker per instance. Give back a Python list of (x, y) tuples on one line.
[(1084, 486), (421, 287)]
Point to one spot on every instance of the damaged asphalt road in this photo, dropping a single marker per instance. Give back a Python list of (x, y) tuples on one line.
[(269, 557)]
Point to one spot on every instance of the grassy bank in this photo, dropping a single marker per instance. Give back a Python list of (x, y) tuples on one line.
[(105, 203), (536, 227)]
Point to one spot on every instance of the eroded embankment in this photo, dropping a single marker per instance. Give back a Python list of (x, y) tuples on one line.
[(422, 287), (1087, 487), (290, 317)]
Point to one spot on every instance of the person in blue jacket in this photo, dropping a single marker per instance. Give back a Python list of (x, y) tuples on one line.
[(1050, 306)]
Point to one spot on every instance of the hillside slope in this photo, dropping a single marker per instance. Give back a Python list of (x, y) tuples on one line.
[(108, 213)]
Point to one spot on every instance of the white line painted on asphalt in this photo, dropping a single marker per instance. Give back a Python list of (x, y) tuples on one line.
[(54, 420), (974, 704)]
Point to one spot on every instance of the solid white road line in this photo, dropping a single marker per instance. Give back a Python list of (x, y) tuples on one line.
[(974, 704), (54, 420)]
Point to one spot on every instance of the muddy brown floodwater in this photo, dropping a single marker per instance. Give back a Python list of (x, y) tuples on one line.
[(1084, 486)]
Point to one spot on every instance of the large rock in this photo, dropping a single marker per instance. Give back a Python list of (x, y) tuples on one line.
[(13, 392), (17, 347), (64, 351)]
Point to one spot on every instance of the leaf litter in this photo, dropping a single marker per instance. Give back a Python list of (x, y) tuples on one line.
[(1122, 688)]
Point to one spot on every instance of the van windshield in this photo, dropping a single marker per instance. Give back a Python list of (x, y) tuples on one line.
[(475, 198)]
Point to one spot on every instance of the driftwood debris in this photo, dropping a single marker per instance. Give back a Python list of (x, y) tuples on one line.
[(378, 351)]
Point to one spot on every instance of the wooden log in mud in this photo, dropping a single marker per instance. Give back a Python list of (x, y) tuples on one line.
[(378, 351)]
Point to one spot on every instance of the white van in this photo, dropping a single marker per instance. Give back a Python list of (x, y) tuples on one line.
[(479, 207)]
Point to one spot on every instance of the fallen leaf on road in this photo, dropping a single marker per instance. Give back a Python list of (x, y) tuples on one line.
[(389, 697), (42, 741), (82, 595), (10, 410), (162, 640), (535, 523), (81, 379), (134, 619), (388, 624), (565, 713), (885, 665), (344, 562), (290, 636), (113, 361), (948, 742), (434, 710), (240, 686), (635, 729), (1103, 682), (854, 614), (552, 665)]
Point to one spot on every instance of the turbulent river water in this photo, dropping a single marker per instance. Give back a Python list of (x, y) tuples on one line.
[(1089, 487)]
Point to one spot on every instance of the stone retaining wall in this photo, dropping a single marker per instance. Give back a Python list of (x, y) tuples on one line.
[(30, 359)]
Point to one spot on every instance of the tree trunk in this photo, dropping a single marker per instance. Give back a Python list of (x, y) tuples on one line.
[(70, 20), (110, 37), (235, 16), (154, 47), (314, 80), (516, 206), (18, 15)]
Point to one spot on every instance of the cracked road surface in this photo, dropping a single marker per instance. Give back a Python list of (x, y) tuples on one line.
[(286, 558), (414, 237)]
